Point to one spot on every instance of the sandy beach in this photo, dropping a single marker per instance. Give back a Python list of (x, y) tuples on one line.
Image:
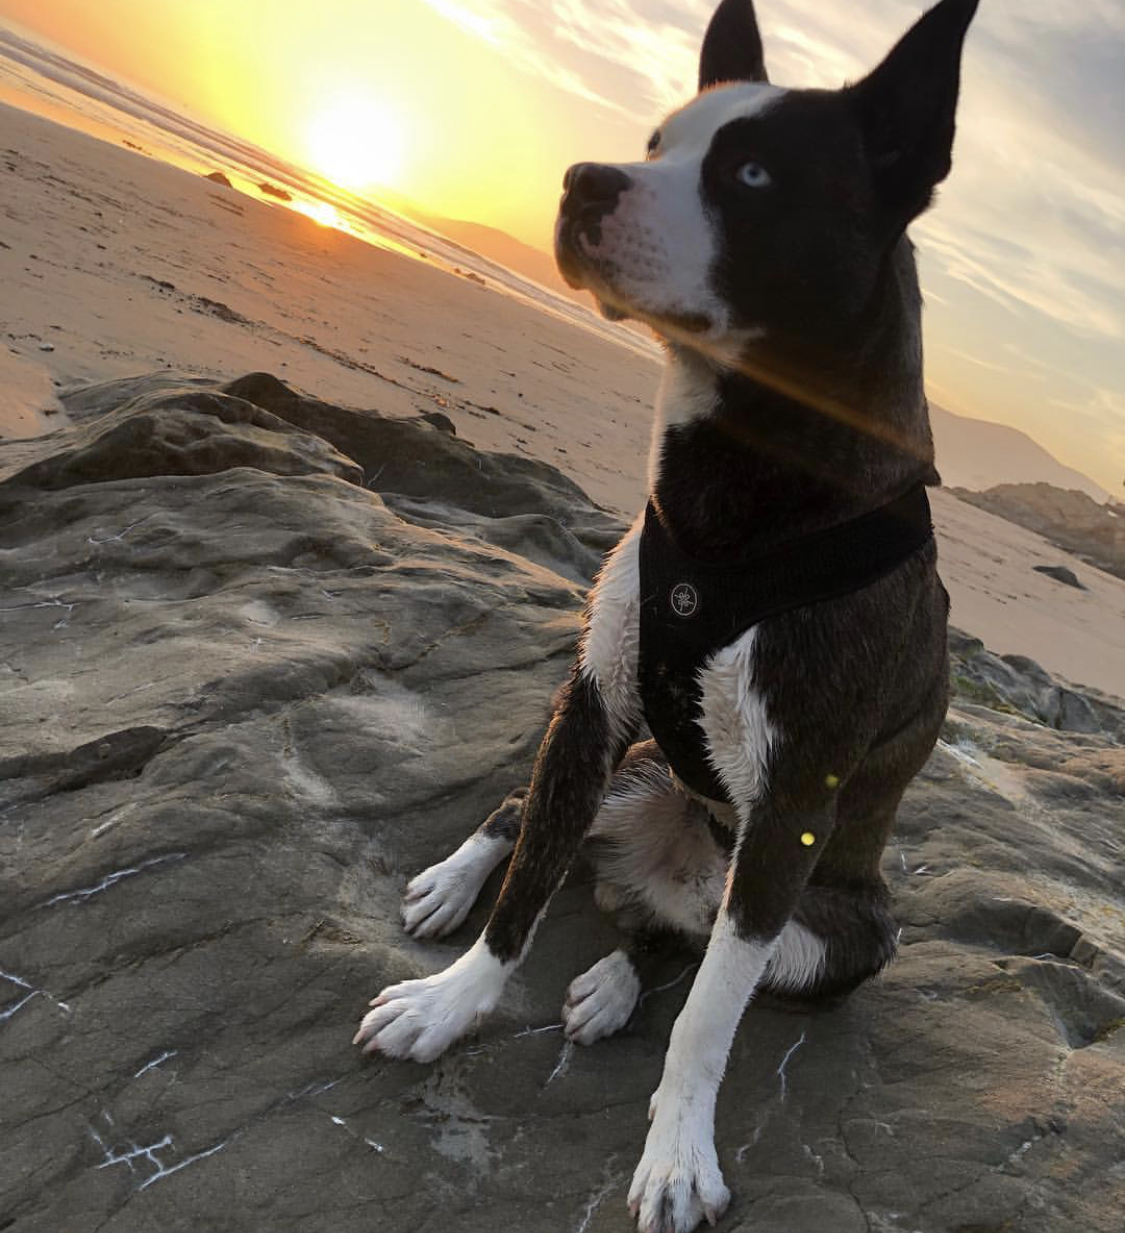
[(113, 264), (273, 640)]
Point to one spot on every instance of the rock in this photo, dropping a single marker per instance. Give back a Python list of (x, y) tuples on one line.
[(440, 420), (216, 308), (442, 481), (253, 683), (272, 190), (1070, 519), (1060, 573), (1019, 686), (186, 432), (217, 177)]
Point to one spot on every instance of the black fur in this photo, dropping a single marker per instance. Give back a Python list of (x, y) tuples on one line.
[(572, 770), (732, 46), (823, 420), (504, 821), (906, 109)]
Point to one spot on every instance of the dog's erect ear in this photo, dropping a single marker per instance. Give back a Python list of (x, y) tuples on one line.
[(732, 46), (906, 109)]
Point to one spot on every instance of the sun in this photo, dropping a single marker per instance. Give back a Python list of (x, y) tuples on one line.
[(356, 142)]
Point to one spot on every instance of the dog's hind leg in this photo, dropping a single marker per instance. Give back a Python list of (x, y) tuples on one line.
[(659, 868), (439, 898), (842, 931), (658, 861)]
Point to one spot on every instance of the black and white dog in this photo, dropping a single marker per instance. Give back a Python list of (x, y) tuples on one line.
[(775, 614)]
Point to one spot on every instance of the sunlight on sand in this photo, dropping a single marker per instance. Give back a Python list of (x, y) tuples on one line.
[(324, 214)]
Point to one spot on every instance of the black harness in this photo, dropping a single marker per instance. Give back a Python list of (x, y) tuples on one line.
[(691, 609)]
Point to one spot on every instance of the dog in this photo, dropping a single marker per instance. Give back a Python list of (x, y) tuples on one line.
[(775, 614)]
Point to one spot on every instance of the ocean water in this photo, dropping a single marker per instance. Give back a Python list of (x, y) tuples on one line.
[(39, 77)]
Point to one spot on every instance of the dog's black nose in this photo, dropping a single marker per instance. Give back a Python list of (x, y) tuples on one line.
[(587, 184)]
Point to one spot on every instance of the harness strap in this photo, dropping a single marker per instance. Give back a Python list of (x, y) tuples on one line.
[(690, 609)]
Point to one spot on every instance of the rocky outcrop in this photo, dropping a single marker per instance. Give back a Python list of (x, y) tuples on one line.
[(219, 177), (261, 660), (1019, 685), (1069, 519)]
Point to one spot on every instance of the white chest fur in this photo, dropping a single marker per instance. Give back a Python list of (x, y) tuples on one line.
[(610, 646), (735, 721)]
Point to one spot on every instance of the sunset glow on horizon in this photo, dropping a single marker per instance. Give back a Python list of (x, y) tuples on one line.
[(472, 109), (356, 142)]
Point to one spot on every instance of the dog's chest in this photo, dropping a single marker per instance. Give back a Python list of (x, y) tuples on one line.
[(687, 675)]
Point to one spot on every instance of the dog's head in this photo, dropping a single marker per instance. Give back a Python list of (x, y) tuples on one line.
[(759, 209)]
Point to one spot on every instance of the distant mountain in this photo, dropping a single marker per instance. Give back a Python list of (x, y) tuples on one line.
[(499, 246), (490, 242), (978, 454)]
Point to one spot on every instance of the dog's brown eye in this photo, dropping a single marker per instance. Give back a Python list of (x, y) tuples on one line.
[(653, 144)]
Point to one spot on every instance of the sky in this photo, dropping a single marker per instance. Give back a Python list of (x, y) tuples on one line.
[(473, 109)]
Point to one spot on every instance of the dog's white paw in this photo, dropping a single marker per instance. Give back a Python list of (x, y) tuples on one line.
[(678, 1182), (600, 1001), (420, 1019), (439, 898)]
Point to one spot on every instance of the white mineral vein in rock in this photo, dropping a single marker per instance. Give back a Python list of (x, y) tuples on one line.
[(562, 1064), (785, 1062), (530, 1031), (593, 1205), (156, 1062), (120, 534), (9, 1011), (670, 984), (183, 1164), (148, 1152), (111, 879)]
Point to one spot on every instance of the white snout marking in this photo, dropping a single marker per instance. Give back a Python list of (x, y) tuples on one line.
[(656, 251)]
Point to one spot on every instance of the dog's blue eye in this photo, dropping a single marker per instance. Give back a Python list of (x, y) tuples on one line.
[(753, 175)]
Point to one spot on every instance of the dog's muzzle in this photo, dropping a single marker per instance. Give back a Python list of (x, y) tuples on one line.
[(590, 192)]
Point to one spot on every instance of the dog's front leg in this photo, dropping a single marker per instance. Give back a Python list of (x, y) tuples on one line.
[(678, 1181), (419, 1019)]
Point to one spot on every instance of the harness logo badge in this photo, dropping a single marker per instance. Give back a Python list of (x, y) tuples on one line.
[(684, 599)]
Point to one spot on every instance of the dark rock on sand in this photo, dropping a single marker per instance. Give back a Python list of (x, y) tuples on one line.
[(440, 420), (262, 659), (1060, 573), (1069, 519), (272, 190), (219, 178)]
